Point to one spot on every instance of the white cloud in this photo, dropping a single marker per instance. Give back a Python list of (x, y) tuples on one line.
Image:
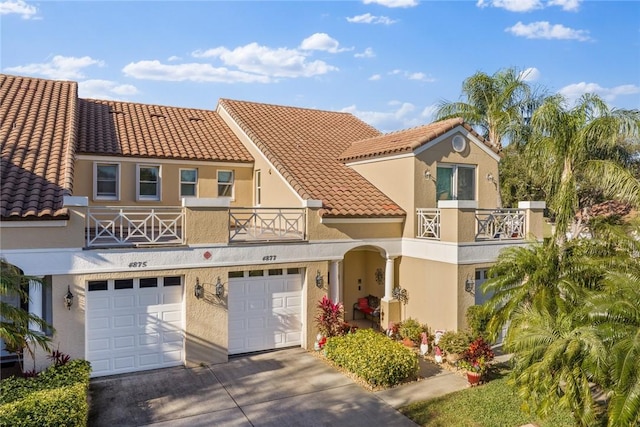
[(368, 18), (262, 60), (59, 68), (402, 115), (368, 53), (530, 74), (574, 91), (375, 77), (529, 5), (393, 3), (544, 30), (568, 5), (105, 89), (512, 5), (18, 7), (322, 41), (196, 72), (174, 58), (429, 113), (412, 76)]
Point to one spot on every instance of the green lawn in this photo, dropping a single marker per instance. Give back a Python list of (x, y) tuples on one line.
[(492, 404)]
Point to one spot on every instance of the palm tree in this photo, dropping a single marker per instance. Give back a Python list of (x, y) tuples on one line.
[(498, 106), (571, 145), (14, 321)]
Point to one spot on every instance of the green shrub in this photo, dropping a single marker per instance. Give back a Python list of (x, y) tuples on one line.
[(478, 319), (56, 397), (454, 342), (411, 329), (373, 357)]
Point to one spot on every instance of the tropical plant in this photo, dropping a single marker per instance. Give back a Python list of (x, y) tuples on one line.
[(15, 322), (454, 342), (410, 329), (478, 318), (330, 318), (476, 356), (582, 144)]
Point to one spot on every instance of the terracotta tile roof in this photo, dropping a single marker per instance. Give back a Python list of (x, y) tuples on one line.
[(303, 144), (37, 135), (129, 129), (405, 141)]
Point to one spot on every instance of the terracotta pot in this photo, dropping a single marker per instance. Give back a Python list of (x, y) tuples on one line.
[(408, 343), (473, 378)]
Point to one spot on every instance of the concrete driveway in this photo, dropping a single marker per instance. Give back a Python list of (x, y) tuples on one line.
[(282, 388)]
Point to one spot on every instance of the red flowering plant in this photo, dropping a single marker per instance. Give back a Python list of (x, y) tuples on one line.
[(476, 356), (330, 318)]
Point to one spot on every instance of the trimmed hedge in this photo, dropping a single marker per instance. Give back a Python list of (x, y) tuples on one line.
[(56, 397), (373, 357)]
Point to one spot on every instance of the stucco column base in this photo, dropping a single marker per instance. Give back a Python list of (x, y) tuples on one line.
[(389, 312)]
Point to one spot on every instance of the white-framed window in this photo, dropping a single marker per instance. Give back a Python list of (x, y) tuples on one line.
[(225, 183), (148, 182), (258, 189), (188, 182), (456, 182), (106, 182)]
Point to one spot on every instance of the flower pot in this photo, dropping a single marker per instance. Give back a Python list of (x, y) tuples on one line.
[(473, 378), (408, 343)]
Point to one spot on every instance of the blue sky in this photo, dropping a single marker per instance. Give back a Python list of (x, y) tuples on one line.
[(389, 62)]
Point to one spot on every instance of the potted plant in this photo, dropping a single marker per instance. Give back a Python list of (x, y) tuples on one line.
[(454, 344), (474, 360), (410, 331)]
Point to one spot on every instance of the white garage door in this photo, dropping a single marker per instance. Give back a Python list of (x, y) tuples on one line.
[(134, 324), (265, 310)]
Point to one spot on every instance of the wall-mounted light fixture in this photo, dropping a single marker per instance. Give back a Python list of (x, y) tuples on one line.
[(469, 285), (199, 289), (379, 276), (490, 178), (428, 176), (219, 288), (68, 298), (319, 280)]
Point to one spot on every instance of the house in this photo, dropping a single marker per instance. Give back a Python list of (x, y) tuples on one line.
[(186, 236)]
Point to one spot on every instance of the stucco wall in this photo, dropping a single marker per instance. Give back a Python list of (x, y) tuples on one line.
[(316, 230), (358, 279), (207, 186), (36, 234)]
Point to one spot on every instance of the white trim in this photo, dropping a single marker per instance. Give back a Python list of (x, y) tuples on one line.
[(33, 224), (457, 204), (224, 114), (312, 203), (77, 201), (206, 202), (257, 187), (380, 158), (532, 205), (158, 196), (97, 163), (115, 159), (360, 220)]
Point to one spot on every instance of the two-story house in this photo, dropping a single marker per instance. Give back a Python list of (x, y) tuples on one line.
[(185, 236)]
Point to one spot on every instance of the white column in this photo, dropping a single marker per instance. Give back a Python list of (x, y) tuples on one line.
[(35, 303), (388, 279), (334, 279)]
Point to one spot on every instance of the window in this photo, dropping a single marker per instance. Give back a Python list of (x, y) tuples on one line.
[(106, 183), (172, 281), (293, 271), (225, 183), (148, 182), (256, 273), (123, 284), (151, 282), (97, 285), (234, 274), (258, 191), (456, 182), (188, 182), (275, 272)]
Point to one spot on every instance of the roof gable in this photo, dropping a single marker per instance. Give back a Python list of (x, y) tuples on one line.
[(303, 144), (38, 133), (405, 141), (138, 130)]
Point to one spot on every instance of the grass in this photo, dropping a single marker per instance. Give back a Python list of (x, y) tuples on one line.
[(492, 404)]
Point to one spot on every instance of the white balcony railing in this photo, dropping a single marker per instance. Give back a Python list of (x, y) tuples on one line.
[(502, 224), (428, 223), (133, 226), (266, 224)]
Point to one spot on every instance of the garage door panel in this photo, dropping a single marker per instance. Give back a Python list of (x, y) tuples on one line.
[(264, 313), (130, 329)]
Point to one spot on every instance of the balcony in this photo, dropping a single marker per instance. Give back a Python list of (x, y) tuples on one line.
[(490, 224), (134, 226), (255, 225)]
